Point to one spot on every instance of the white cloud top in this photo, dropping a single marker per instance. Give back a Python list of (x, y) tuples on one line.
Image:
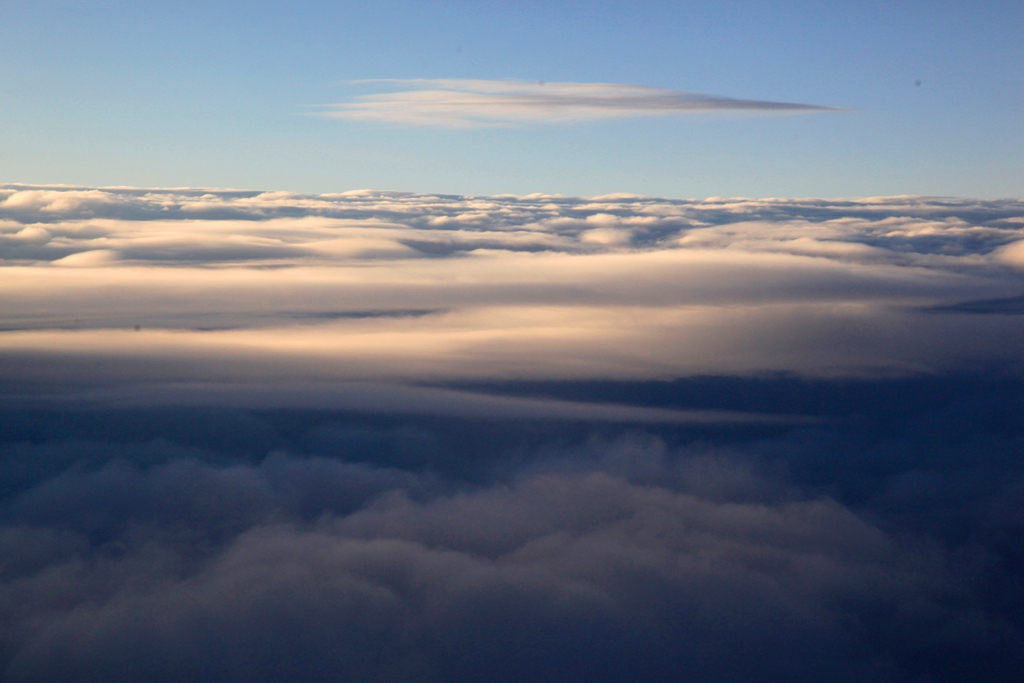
[(250, 287), (473, 103)]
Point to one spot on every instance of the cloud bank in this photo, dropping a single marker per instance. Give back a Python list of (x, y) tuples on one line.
[(369, 436), (457, 103), (141, 558), (150, 286)]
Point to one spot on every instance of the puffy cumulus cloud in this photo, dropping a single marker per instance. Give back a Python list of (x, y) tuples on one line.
[(321, 605), (475, 103), (916, 226), (342, 541), (92, 257), (1012, 253), (57, 201), (165, 563)]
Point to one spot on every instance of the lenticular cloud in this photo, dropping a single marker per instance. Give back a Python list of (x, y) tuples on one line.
[(457, 103)]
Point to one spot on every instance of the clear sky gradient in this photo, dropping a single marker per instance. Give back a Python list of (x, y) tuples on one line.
[(227, 94)]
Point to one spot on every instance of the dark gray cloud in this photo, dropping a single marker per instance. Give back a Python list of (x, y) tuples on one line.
[(595, 559), (1011, 305)]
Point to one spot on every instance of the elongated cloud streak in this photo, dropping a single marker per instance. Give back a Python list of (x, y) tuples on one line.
[(479, 103)]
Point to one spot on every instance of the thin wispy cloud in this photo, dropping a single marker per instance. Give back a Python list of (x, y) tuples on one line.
[(455, 103)]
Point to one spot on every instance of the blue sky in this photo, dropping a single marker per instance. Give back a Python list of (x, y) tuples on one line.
[(225, 94)]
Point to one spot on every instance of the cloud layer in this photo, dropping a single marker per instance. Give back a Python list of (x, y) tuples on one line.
[(254, 436), (477, 103), (834, 552), (121, 285)]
